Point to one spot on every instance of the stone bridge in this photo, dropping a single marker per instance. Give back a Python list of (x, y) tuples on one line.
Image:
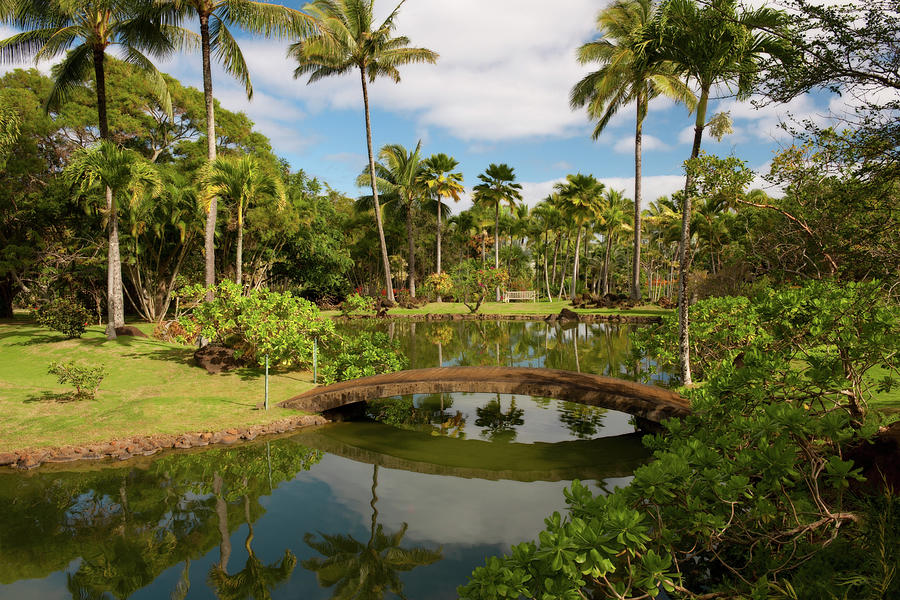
[(650, 404)]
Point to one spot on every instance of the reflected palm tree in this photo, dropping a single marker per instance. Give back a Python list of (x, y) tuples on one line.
[(255, 580), (499, 426), (581, 420), (365, 571)]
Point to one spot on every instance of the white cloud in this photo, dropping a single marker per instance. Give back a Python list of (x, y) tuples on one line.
[(562, 165), (649, 143)]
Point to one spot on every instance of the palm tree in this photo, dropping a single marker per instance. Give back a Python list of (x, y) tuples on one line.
[(715, 43), (241, 181), (614, 215), (626, 76), (84, 31), (497, 186), (582, 194), (215, 17), (120, 172), (398, 177), (366, 571), (348, 39), (439, 180)]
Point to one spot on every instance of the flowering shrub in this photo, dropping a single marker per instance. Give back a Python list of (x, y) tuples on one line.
[(472, 283), (65, 315), (86, 380), (439, 284)]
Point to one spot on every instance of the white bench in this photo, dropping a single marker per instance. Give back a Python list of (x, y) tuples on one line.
[(529, 296)]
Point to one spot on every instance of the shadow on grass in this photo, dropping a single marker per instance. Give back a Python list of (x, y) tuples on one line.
[(166, 354), (57, 397)]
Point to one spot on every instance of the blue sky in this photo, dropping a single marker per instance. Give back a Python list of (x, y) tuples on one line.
[(498, 93)]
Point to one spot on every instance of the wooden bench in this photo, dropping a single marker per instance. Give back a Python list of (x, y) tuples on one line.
[(529, 296)]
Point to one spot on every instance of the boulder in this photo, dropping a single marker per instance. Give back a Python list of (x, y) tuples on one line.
[(130, 330), (568, 315), (216, 359)]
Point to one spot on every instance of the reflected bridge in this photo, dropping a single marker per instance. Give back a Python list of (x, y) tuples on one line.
[(650, 404)]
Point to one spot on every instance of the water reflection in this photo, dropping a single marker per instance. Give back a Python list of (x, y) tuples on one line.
[(367, 571)]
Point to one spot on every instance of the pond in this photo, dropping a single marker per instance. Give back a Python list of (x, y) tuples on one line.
[(406, 507)]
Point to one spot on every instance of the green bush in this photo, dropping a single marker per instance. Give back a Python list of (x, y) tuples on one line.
[(86, 380), (361, 356), (260, 323), (472, 284), (356, 303), (65, 315)]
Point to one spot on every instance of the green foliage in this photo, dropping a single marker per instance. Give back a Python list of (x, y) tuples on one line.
[(360, 356), (439, 284), (65, 315), (472, 283), (259, 324), (747, 495), (356, 303), (86, 380)]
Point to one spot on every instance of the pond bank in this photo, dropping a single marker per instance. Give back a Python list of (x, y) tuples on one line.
[(578, 317), (147, 445)]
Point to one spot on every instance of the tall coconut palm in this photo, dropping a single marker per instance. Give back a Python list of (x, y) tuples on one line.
[(581, 194), (240, 181), (215, 18), (615, 217), (348, 38), (398, 177), (440, 181), (714, 43), (626, 75), (498, 186), (122, 173), (82, 32)]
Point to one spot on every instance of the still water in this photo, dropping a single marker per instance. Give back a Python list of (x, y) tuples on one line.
[(403, 508)]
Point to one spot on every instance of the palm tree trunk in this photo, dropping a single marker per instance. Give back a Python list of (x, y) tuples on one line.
[(115, 300), (412, 249), (497, 242), (209, 244), (555, 256), (609, 237), (546, 265), (439, 299), (684, 258), (384, 253), (222, 518), (240, 247), (575, 269), (562, 279), (636, 257)]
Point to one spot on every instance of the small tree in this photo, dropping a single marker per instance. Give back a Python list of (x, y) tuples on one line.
[(471, 283)]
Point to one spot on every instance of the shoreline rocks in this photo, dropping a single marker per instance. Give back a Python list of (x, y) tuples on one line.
[(583, 318), (147, 445)]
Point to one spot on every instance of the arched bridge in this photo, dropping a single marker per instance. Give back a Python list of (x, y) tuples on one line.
[(649, 403)]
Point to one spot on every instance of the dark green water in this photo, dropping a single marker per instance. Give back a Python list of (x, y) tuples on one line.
[(352, 510)]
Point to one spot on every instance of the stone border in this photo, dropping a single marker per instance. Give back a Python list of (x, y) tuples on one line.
[(552, 317), (147, 445)]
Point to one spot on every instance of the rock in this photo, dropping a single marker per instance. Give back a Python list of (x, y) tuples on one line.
[(130, 330), (216, 359), (568, 315), (29, 461), (228, 438), (8, 458)]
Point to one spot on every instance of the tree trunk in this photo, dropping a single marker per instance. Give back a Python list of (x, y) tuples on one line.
[(209, 245), (412, 249), (384, 253), (497, 242), (575, 269), (609, 240), (636, 256), (438, 261), (555, 255), (7, 293), (222, 518), (562, 279), (684, 258), (546, 265), (238, 277)]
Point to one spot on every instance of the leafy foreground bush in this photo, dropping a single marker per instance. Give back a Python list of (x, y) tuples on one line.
[(357, 303), (748, 497), (86, 380), (65, 315), (258, 324), (361, 356)]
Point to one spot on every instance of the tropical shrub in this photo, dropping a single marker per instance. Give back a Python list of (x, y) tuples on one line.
[(86, 380), (748, 496), (439, 284), (473, 283), (259, 324), (360, 356), (66, 315), (356, 303)]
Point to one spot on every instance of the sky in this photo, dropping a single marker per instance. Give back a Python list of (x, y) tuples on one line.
[(497, 94)]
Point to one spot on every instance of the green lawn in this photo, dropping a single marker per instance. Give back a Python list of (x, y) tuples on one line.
[(518, 308), (151, 387)]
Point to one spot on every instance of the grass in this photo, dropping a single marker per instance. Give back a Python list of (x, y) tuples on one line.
[(519, 308), (151, 387)]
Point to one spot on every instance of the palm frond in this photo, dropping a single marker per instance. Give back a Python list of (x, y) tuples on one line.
[(69, 75), (229, 54), (158, 85)]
